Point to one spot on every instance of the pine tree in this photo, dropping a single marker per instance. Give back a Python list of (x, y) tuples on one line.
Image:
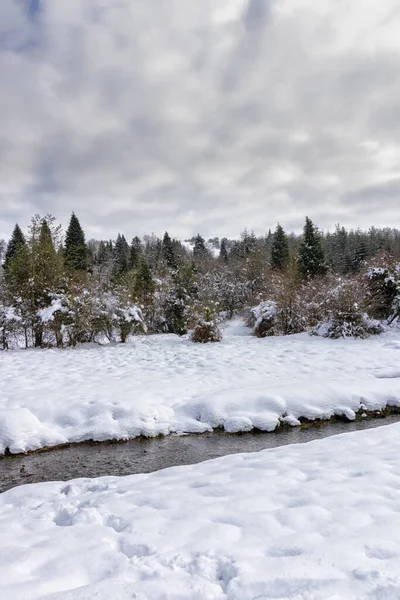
[(47, 264), (76, 257), (280, 249), (311, 254), (121, 255), (360, 251), (223, 252), (199, 248), (16, 242), (268, 240), (46, 269), (144, 284), (339, 257), (3, 248), (168, 251), (103, 254), (136, 251)]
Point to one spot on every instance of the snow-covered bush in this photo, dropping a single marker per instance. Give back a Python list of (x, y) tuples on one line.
[(360, 327), (346, 315), (83, 316), (69, 319), (263, 319), (128, 318), (117, 317), (10, 326), (395, 317), (283, 314), (383, 287), (51, 319), (206, 330)]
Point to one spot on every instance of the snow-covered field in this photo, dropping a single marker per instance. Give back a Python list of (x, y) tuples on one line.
[(163, 384), (316, 521)]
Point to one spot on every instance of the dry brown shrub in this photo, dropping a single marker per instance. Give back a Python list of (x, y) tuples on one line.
[(205, 333)]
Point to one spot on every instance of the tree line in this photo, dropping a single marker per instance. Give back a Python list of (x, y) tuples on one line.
[(63, 290)]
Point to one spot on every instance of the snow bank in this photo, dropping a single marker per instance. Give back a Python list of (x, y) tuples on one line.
[(315, 521), (21, 430), (163, 384)]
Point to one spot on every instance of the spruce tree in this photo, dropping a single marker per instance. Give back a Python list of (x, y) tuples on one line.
[(199, 248), (268, 240), (3, 248), (360, 251), (136, 251), (103, 254), (47, 262), (16, 242), (223, 252), (248, 242), (144, 284), (311, 254), (76, 257), (339, 249), (47, 270), (121, 255), (279, 250), (168, 251)]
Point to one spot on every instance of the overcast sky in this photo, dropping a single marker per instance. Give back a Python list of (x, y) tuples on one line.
[(200, 115)]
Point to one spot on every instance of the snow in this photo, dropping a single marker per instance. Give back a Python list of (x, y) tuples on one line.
[(8, 314), (265, 311), (162, 384), (316, 521), (47, 314)]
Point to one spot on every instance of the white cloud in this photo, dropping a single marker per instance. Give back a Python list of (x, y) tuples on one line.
[(203, 115)]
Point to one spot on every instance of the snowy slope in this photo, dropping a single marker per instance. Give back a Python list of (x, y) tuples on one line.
[(162, 384), (317, 521)]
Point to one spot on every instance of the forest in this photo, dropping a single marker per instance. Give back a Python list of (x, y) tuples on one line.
[(61, 290)]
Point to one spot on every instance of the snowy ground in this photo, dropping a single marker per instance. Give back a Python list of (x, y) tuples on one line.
[(317, 521), (163, 384)]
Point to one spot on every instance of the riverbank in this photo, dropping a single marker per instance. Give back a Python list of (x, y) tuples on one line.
[(160, 385), (145, 455)]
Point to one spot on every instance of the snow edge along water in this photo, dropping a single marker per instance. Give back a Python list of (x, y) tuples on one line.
[(165, 385)]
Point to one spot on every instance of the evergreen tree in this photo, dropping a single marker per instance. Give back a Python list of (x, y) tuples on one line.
[(136, 251), (279, 250), (311, 254), (16, 242), (3, 248), (121, 255), (46, 270), (223, 252), (168, 251), (340, 250), (76, 256), (199, 248), (103, 254), (268, 241), (144, 284), (360, 252), (47, 264), (248, 242)]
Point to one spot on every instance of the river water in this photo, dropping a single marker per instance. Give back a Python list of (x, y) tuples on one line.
[(145, 455)]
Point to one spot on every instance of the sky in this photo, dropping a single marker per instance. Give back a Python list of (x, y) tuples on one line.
[(200, 116)]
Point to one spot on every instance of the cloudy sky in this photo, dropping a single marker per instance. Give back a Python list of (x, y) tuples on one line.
[(200, 115)]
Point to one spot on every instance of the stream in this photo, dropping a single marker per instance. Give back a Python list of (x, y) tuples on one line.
[(143, 455)]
